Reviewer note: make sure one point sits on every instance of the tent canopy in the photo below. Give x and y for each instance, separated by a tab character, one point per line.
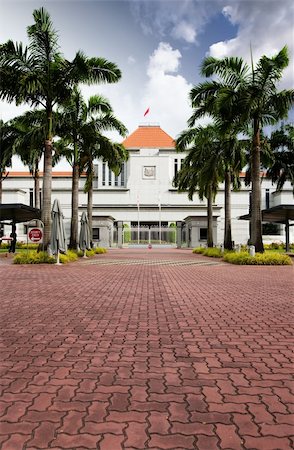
277	214
17	212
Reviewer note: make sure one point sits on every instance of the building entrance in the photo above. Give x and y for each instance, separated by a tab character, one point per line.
149	233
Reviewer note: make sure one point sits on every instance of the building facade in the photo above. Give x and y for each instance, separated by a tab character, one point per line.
143	199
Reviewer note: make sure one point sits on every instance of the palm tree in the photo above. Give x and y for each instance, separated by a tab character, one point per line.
114	154
282	144
40	76
227	159
6	140
28	143
245	96
232	157
80	125
199	170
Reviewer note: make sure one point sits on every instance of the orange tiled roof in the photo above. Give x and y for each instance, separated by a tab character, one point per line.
28	174
146	136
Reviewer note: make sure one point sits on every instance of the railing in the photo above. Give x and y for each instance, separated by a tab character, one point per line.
149	235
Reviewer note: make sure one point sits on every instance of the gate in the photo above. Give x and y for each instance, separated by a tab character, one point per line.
149	235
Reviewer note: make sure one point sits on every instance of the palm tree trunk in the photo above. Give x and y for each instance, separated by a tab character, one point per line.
256	225
37	184
228	220
73	242
90	212
209	221
1	179
47	189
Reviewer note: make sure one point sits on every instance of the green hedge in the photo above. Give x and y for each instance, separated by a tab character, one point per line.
22	245
69	256
243	258
33	257
213	252
99	250
92	252
198	250
28	245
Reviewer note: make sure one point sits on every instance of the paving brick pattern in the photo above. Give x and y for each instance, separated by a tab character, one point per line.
146	356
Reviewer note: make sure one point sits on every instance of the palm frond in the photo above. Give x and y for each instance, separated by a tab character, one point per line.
224	68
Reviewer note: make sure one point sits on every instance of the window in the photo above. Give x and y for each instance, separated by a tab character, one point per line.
103	174
110	179
175	167
96	234
203	234
31	197
267	198
270	229
95	177
122	175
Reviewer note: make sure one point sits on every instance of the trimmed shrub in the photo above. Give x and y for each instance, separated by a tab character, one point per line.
29	245
33	257
127	233
198	250
4	245
213	252
92	252
274	246
63	258
99	250
22	245
69	256
172	235
243	258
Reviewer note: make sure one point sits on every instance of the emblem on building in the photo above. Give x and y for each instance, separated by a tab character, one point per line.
149	172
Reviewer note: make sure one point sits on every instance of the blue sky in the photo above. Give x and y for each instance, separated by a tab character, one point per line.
158	45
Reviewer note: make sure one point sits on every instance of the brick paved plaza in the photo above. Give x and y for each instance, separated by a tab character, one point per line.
145	349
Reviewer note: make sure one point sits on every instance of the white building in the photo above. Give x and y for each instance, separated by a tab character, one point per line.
143	196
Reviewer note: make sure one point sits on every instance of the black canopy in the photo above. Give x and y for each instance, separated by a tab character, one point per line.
278	214
17	212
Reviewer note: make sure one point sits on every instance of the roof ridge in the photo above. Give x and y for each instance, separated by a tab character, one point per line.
149	136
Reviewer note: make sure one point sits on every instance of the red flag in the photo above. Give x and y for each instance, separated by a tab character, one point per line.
146	112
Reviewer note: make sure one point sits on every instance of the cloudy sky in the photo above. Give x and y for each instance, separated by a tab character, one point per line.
158	45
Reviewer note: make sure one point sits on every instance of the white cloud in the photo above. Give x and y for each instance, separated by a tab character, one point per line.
163	60
180	19
267	26
164	91
167	92
131	60
184	30
10	110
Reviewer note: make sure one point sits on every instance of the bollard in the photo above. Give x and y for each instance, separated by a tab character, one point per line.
252	250
221	248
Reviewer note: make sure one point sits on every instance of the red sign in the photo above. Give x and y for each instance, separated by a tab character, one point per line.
35	235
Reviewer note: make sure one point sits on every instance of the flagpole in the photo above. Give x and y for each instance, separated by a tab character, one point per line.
138	206
159	211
